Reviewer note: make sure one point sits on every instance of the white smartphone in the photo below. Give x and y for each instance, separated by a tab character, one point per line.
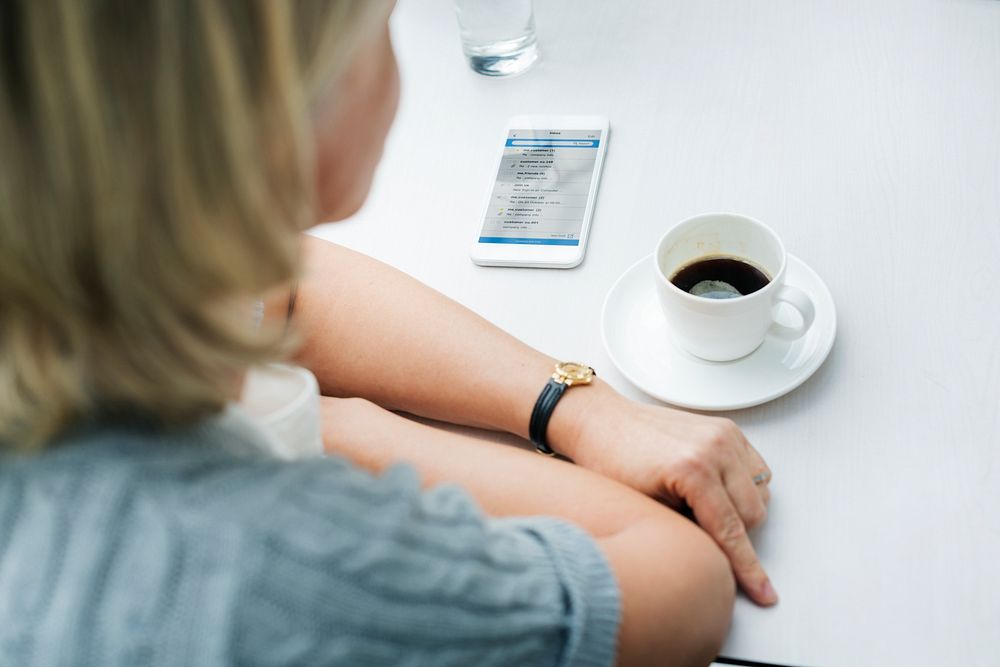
539	208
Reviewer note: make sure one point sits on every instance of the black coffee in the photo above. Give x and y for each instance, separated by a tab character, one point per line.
720	278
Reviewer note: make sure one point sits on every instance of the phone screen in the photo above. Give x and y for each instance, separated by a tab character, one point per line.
540	195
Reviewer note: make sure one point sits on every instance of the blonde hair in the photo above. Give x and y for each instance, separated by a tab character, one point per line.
155	172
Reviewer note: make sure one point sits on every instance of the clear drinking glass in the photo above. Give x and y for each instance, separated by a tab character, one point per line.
498	36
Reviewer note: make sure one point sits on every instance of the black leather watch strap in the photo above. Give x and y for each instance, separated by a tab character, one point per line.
542	413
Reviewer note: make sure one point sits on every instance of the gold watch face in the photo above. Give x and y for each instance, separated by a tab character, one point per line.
574	373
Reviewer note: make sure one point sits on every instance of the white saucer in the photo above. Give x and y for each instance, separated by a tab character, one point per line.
638	341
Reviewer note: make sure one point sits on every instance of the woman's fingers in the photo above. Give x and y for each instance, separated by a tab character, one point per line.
746	497
745	477
765	493
755	469
716	513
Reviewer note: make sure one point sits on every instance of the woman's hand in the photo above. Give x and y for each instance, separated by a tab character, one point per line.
681	459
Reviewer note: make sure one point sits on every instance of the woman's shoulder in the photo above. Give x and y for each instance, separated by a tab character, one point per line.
221	469
150	537
218	480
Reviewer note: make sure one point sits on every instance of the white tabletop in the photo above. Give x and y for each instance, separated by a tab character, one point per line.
867	133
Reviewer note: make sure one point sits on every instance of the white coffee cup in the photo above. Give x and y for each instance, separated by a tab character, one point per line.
727	329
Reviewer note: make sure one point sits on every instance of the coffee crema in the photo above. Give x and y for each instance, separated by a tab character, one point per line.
720	277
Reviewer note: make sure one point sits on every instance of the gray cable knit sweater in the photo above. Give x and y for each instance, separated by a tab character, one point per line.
127	546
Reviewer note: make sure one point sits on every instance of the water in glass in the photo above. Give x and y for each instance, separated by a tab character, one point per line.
498	36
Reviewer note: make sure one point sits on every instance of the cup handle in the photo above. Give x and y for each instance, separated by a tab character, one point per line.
801	302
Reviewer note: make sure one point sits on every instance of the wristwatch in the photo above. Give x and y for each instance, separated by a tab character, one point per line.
568	374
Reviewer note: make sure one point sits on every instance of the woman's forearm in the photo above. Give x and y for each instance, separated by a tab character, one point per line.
433	356
504	480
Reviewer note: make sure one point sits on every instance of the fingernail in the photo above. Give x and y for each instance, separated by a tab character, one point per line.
767	593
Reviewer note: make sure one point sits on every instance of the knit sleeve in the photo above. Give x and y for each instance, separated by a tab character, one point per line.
351	569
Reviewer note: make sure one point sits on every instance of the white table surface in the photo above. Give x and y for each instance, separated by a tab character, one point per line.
867	133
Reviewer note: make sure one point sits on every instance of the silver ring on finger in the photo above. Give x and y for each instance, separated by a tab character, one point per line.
762	478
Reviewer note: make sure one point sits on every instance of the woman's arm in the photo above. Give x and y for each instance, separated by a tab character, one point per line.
371	331
676	586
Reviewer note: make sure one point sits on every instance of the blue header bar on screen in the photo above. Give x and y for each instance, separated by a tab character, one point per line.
520	241
556	143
